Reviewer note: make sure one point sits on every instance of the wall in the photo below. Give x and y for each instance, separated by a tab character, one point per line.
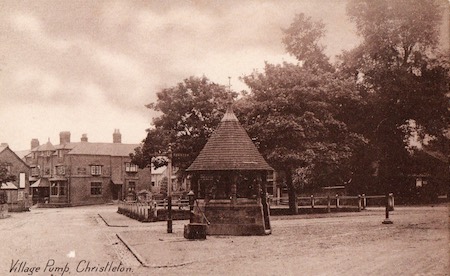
81	179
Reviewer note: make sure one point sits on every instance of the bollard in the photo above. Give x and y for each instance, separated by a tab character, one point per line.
364	202
312	201
387	220
337	201
328	204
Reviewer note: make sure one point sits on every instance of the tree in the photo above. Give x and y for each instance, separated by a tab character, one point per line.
291	115
5	176
402	78
301	40
190	112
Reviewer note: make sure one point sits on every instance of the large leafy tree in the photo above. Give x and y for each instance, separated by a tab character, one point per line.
189	113
291	113
402	76
302	40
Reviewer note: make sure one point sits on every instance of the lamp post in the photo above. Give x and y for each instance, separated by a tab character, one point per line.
169	191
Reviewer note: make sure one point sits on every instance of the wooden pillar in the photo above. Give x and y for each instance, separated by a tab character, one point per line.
258	188
208	190
275	188
233	196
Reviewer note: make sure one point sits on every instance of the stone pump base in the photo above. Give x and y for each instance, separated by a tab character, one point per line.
195	231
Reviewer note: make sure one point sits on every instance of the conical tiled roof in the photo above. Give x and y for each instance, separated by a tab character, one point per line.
229	148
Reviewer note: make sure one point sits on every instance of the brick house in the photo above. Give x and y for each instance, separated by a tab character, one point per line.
16	192
83	173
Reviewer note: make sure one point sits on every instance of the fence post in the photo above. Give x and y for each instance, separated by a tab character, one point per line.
364	201
359	203
387	220
391	202
312	201
337	201
328	204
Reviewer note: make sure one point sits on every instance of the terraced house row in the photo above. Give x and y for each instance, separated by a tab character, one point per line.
82	173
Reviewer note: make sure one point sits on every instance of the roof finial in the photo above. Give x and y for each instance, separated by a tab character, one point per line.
229	114
230	97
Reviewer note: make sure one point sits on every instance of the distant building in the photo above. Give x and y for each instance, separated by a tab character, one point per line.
82	173
160	177
17	192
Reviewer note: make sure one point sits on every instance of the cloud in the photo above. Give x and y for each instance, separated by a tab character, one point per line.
91	66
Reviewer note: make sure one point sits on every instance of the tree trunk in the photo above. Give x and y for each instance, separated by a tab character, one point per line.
293	207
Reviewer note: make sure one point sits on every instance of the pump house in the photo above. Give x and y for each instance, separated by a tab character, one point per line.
229	182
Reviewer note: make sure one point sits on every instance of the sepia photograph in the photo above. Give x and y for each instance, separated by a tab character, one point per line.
234	137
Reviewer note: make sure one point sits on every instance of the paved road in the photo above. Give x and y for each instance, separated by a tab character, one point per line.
76	241
67	241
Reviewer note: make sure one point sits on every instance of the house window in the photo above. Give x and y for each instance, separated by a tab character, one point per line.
96	169
54	189
60	170
8	168
58	188
96	188
62	188
35	171
81	170
47	171
131	187
60	153
130	167
22	180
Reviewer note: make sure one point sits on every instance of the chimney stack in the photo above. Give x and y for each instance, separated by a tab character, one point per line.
64	137
117	137
84	137
34	143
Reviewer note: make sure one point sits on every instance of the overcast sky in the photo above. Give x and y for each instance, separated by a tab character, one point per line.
91	66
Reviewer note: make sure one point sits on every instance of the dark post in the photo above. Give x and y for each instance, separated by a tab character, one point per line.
387	220
191	206
169	192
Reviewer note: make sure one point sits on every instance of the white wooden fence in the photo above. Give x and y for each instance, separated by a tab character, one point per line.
148	211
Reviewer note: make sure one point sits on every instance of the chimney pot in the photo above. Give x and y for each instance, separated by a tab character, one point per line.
64	137
34	143
84	137
117	137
